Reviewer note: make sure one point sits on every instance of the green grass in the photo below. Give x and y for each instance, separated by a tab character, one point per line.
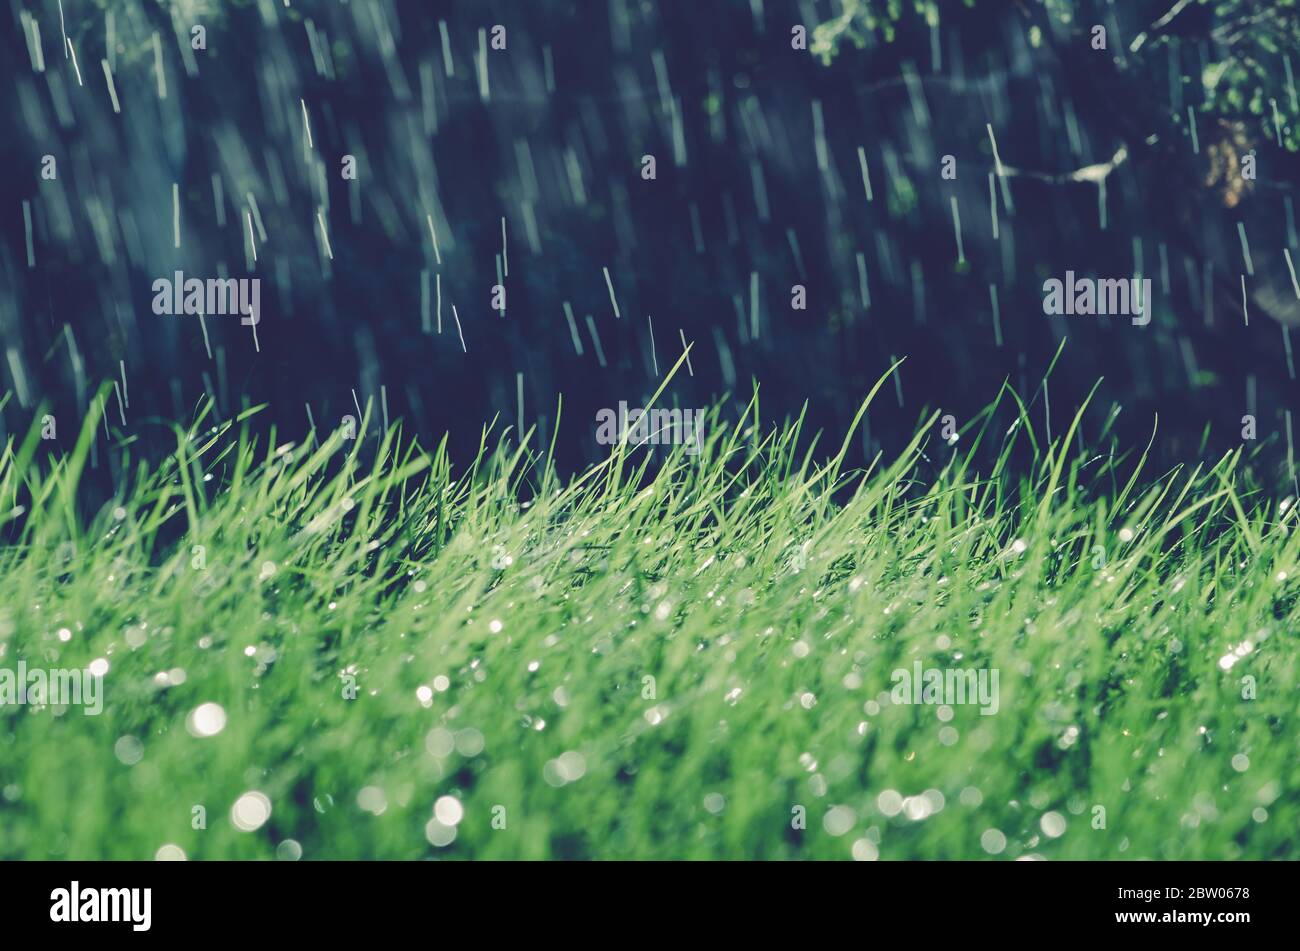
768	591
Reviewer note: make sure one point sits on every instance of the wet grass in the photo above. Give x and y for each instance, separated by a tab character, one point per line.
690	657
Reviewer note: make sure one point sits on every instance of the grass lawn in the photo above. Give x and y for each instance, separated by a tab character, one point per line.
408	658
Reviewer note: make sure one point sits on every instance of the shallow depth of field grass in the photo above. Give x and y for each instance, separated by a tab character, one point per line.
501	626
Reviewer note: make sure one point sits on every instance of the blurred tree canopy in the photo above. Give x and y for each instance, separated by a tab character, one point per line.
1245	47
1169	153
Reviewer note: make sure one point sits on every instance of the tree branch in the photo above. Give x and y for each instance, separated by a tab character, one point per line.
1096	173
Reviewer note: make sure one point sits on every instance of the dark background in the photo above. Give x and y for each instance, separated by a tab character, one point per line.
563	165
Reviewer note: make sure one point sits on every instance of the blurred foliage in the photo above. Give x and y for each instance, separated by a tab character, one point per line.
862	21
1251	78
